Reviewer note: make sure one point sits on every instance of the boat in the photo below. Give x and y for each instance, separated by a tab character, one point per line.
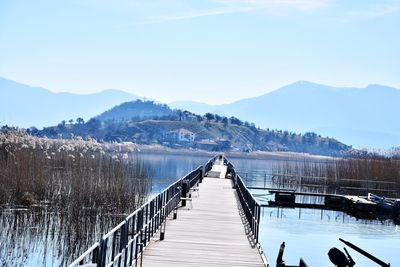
382	202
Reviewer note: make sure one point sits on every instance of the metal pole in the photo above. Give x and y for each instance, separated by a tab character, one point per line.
162	231
201	175
364	253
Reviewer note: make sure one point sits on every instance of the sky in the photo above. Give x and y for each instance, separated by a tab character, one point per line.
213	51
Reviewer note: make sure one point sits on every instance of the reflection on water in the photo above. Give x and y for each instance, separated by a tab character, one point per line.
40	237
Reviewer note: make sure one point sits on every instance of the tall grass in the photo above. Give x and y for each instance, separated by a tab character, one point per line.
68	174
346	175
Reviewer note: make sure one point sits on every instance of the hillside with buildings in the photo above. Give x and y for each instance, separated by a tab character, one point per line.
143	122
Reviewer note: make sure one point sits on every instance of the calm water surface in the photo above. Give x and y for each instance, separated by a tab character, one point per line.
31	238
311	233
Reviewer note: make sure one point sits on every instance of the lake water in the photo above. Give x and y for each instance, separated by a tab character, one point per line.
310	233
37	238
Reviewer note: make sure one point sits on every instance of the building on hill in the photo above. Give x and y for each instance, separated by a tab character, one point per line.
182	135
186	135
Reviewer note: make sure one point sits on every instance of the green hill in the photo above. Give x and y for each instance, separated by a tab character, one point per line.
151	123
136	110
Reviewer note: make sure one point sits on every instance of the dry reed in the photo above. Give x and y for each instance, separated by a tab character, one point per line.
68	174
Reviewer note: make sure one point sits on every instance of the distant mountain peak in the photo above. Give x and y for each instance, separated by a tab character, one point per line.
303	84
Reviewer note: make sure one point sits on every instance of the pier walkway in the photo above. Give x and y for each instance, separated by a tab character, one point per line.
210	233
206	218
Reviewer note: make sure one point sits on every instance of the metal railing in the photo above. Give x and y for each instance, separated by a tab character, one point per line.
250	206
209	164
123	245
194	177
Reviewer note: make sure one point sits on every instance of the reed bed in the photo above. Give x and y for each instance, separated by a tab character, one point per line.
346	176
68	174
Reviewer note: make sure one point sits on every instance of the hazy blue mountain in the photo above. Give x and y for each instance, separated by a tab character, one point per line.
363	117
25	106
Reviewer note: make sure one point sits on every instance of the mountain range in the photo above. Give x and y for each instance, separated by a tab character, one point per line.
26	106
362	117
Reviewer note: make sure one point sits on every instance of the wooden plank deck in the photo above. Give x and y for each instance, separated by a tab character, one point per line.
218	170
213	233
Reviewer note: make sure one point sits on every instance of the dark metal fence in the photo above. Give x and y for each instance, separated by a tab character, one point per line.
194	177
123	245
209	164
250	206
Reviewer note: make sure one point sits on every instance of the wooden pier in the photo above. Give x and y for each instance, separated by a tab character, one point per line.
210	221
210	232
196	221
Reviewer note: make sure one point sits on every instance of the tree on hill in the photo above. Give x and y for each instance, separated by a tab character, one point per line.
209	116
225	121
80	120
235	120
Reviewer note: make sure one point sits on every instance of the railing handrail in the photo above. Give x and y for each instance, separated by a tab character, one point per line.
85	254
113	230
164	190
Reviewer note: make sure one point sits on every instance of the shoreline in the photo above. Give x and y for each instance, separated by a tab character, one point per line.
256	155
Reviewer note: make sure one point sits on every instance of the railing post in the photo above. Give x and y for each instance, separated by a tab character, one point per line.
201	174
234	179
258	221
141	245
123	240
96	256
185	189
162	231
103	252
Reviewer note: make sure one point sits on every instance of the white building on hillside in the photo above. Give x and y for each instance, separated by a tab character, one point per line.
181	135
186	135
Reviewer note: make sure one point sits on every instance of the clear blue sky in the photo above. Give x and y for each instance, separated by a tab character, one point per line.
175	49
